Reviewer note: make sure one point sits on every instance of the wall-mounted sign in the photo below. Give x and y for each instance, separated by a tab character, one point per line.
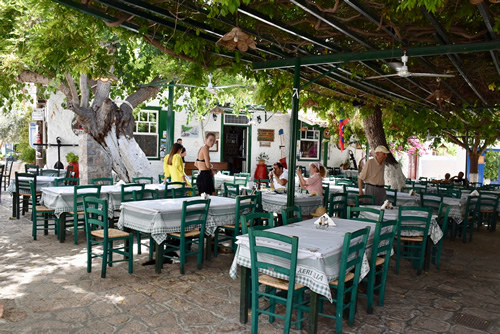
76	126
38	114
265	134
33	131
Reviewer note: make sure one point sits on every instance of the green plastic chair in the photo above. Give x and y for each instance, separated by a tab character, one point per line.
337	205
379	261
67	182
99	233
27	167
442	219
102	181
414	246
231	190
355	212
169	186
43	214
143	179
23	190
257	221
291	215
470	217
193	221
244	205
79	193
353	250
431	201
364	200
262	255
392	196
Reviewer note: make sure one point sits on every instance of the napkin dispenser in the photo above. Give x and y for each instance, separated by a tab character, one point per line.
387	205
205	196
324	221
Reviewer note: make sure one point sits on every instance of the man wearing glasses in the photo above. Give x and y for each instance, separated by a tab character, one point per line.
278	176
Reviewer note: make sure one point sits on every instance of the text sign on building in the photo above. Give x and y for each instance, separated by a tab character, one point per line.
265	135
33	130
38	114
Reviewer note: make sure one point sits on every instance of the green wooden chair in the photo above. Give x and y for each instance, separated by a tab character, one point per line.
257	221
346	182
231	190
431	200
161	178
69	171
169	186
364	200
355	212
34	169
104	181
129	192
262	181
183	192
420	188
67	182
262	255
247	175
225	172
392	196
244	205
2	170
143	179
291	215
326	193
412	247
379	261
49	172
337	205
193	221
353	250
79	193
487	210
99	233
444	211
470	217
240	180
7	173
146	194
23	190
41	215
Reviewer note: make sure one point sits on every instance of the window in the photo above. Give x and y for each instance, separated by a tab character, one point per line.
146	131
309	140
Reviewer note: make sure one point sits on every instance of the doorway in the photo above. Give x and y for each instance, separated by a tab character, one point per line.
234	148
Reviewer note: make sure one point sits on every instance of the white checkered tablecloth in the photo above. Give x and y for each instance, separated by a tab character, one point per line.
41	182
163	216
274	202
435	232
319	256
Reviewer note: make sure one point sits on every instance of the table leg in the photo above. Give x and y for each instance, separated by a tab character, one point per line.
15	209
158	257
62	227
313	312
428	254
208	247
244	295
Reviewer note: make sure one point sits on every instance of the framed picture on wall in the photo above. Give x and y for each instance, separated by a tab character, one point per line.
214	148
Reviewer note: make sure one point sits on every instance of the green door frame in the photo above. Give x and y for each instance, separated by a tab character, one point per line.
249	141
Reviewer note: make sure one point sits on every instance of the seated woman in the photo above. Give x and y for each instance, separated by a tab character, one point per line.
446	178
173	166
314	184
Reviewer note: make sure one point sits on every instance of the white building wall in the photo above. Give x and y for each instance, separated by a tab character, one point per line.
435	167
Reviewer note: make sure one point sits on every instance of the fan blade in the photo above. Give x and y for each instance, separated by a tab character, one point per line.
395	65
382	76
182	85
432	75
229	86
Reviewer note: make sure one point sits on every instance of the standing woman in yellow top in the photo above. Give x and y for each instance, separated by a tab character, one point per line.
173	165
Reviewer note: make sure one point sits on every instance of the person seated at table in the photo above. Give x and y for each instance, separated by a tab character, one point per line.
278	177
205	179
459	179
446	178
313	184
173	166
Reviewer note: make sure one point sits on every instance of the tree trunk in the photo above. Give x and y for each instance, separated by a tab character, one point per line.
375	134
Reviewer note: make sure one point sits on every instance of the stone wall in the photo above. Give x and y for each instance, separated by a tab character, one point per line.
94	162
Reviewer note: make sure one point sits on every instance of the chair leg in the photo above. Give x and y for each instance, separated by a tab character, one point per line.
369	291
398	253
45	223
183	255
34	227
201	244
110	252
89	255
105	251
339	308
138	237
216	242
131	254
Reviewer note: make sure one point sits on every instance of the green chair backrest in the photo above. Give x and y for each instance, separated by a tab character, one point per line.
354	213
292	214
96	215
364	200
143	179
145	194
256	221
225	172
69	171
471	207
347	182
488	202
244	205
182	192
80	192
420	188
27	167
392	196
338	205
242	174
102	181
127	192
241	180
431	200
67	182
353	250
326	193
49	172
170	186
414	218
231	190
194	215
23	182
161	177
382	240
444	211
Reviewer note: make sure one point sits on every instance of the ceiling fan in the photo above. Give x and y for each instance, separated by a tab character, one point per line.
213	89
402	71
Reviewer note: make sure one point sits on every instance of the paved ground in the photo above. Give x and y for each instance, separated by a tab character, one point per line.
44	288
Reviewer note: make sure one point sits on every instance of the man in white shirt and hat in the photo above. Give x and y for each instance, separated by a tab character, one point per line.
278	176
373	176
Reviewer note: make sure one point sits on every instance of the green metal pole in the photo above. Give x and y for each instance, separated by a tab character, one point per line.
170	117
294	121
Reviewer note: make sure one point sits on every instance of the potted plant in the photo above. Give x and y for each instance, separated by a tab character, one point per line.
72	159
346	164
262	158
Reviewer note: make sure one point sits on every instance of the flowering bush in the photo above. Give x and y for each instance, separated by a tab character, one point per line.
414	147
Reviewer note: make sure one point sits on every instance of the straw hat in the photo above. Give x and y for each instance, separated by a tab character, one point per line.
320	211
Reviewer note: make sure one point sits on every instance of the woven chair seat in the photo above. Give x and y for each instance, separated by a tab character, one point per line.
487	211
189	234
29	195
78	213
229	226
43	208
112	233
419	239
379	261
277	283
348	277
